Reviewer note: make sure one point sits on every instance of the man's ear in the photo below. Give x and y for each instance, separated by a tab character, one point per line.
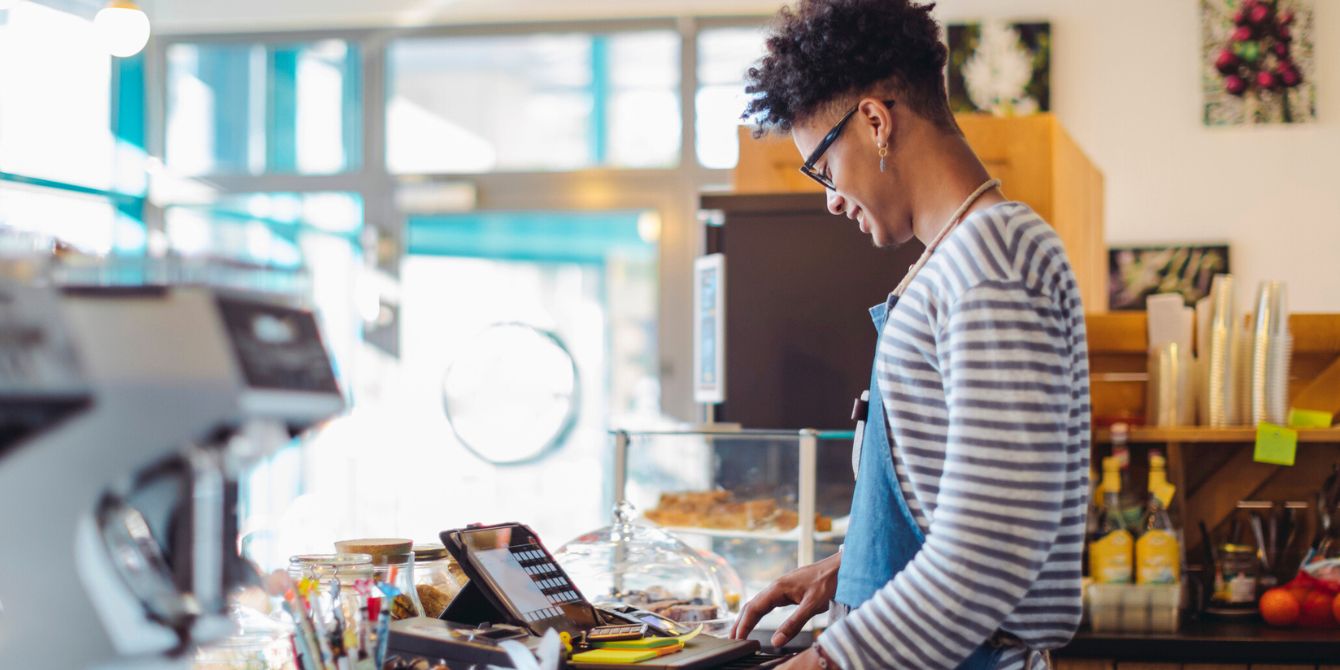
879	121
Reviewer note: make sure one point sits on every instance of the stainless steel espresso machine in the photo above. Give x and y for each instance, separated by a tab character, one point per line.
127	416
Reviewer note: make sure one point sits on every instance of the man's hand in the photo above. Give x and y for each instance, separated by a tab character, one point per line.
811	588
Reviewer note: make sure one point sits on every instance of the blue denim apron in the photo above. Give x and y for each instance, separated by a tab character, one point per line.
883	535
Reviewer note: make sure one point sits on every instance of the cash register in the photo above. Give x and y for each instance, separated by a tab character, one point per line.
518	592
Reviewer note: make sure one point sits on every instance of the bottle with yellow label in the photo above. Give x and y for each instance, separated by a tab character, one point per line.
1158	555
1111	547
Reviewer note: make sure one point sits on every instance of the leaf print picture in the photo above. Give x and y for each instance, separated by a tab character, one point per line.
1000	68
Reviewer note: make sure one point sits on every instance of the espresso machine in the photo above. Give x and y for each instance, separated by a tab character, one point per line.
127	417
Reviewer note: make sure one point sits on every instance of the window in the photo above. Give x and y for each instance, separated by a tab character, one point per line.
587	277
263	229
55	118
91	224
257	109
543	102
65	174
724	56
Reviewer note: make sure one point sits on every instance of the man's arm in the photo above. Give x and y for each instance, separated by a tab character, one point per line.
999	507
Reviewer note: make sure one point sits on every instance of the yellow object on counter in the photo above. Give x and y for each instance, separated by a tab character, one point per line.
624	656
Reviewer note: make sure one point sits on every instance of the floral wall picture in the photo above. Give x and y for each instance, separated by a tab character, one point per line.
1139	272
1000	68
1257	62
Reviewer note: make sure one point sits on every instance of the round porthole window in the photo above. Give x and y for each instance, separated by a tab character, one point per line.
512	394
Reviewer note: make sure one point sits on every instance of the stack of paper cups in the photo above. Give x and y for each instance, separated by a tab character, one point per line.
1171	394
1271	351
1219	398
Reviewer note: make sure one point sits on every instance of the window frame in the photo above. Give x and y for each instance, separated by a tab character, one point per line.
672	192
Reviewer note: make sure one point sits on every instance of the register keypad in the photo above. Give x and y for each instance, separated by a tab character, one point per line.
548	577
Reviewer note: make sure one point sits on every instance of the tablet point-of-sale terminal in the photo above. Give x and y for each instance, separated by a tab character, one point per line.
516	587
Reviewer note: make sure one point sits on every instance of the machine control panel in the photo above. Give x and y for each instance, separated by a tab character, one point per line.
41	378
278	348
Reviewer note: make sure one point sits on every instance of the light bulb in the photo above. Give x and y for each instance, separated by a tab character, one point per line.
123	26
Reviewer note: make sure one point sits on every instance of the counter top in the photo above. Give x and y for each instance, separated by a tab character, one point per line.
1210	642
1198	642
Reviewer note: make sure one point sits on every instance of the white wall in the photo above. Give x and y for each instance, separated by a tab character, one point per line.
1125	81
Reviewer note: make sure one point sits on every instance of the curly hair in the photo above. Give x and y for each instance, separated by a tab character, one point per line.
824	51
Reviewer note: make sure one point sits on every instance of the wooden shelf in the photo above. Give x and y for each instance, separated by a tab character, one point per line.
1202	435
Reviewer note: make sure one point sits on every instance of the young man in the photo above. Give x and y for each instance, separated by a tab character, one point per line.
967	522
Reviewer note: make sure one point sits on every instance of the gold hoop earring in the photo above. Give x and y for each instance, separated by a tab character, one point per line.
883	153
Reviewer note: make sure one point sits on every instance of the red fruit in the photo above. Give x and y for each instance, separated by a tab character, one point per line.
1279	607
1267	80
1258	13
1241	34
1317	611
1235	85
1298	591
1239	18
1281	50
1284	34
1290	77
1286	17
1226	62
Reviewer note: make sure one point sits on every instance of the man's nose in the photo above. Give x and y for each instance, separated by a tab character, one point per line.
836	204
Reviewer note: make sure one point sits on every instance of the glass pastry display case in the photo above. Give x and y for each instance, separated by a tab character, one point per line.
764	501
633	565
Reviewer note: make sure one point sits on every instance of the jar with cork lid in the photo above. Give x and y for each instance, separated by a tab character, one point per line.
392	564
437	578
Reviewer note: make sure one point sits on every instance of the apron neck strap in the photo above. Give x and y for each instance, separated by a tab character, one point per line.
953	222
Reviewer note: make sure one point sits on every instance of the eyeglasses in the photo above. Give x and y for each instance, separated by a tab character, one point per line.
808	168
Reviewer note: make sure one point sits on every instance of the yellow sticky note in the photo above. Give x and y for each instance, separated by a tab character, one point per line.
614	656
1275	444
1309	418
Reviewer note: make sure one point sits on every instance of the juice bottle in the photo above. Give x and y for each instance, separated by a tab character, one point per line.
1132	506
1158	557
1111	547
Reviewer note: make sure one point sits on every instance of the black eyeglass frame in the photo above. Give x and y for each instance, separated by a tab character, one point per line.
807	168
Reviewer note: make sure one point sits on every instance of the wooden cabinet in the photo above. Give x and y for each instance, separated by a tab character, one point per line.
1034	157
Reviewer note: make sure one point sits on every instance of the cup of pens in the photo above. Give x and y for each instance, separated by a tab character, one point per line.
334	602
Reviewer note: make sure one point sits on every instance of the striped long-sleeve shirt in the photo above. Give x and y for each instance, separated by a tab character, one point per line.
983	369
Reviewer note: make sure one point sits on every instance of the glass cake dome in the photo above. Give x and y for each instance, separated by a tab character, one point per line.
629	563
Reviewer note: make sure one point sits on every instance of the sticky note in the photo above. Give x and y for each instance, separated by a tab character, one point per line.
1275	444
1309	418
614	656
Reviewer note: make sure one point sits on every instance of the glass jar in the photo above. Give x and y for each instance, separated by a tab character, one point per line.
1236	577
256	643
437	578
344	581
392	564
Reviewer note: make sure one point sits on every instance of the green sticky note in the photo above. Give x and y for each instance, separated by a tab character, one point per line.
1309	418
1276	445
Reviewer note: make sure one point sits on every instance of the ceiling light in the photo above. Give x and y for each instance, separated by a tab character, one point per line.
123	26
